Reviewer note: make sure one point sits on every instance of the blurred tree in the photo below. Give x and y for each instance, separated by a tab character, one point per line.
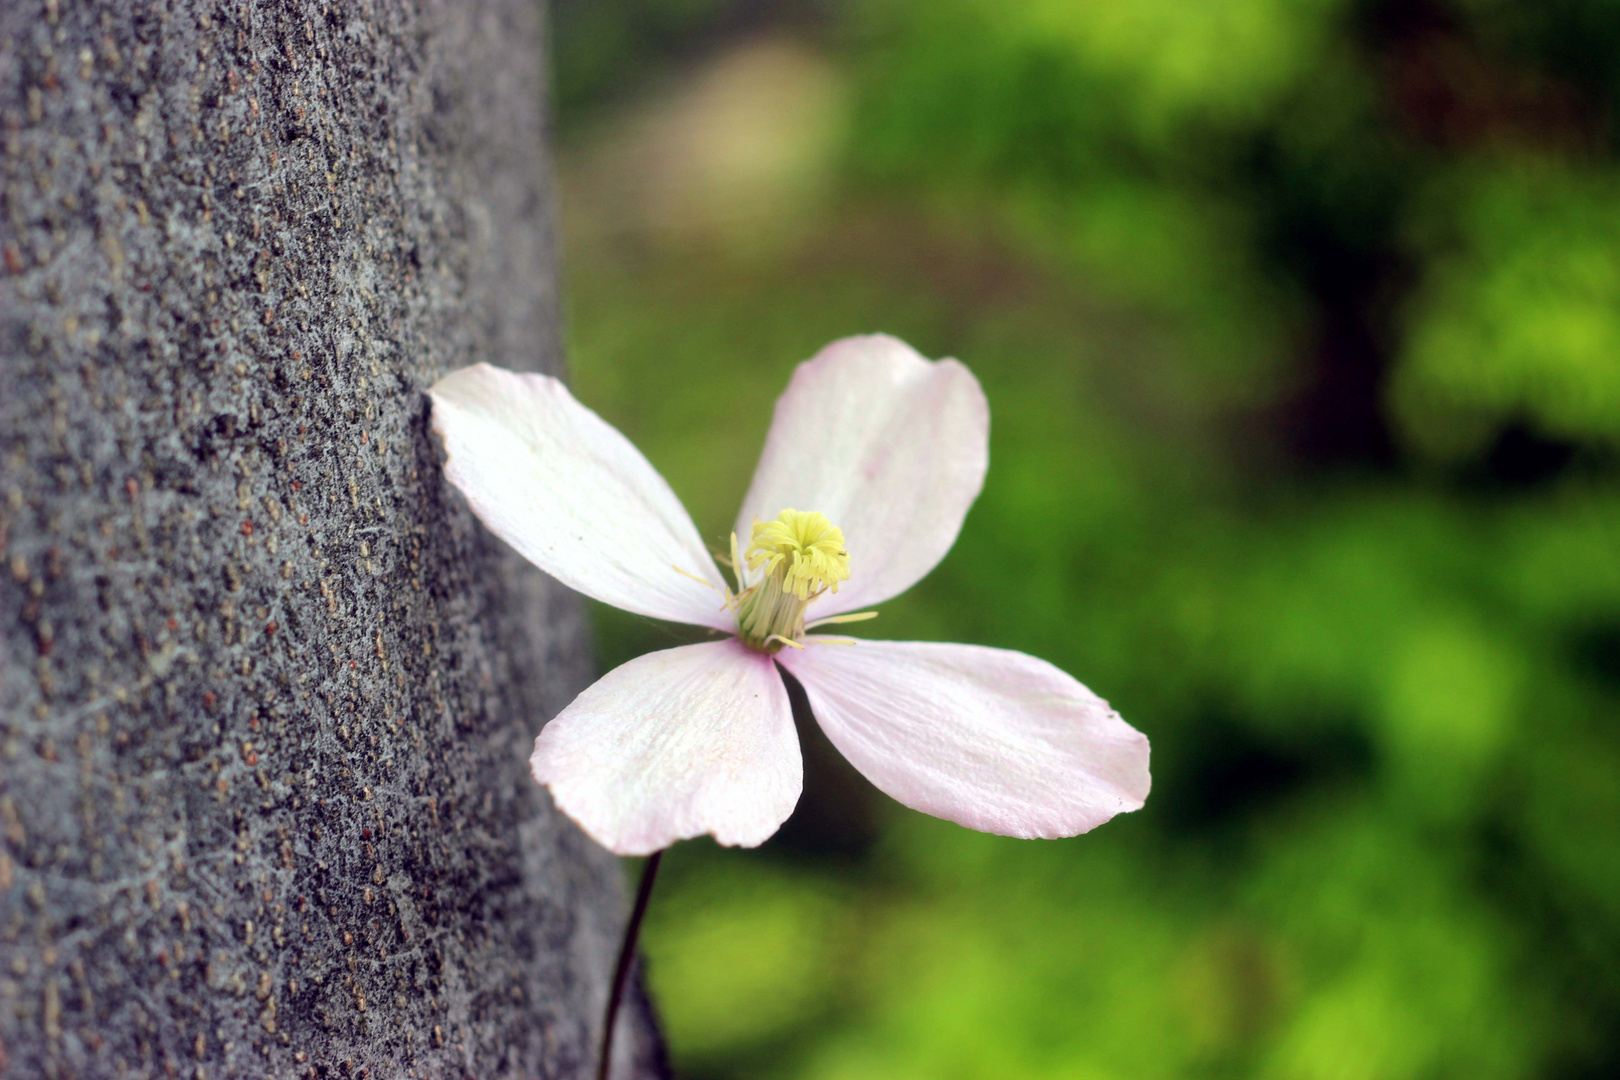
1298	321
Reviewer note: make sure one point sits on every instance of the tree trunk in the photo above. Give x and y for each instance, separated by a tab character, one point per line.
267	689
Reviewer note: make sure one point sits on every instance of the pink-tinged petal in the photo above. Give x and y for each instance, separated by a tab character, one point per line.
991	739
890	446
573	496
676	744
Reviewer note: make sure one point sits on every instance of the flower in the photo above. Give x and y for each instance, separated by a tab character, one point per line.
873	457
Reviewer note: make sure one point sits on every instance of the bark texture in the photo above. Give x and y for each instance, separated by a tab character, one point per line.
267	689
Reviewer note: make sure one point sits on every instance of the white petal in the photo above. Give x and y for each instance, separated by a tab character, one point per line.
991	739
573	496
890	446
675	744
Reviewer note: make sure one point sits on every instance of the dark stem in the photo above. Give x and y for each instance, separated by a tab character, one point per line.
627	958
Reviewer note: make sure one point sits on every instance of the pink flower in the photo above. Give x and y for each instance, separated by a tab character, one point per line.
870	444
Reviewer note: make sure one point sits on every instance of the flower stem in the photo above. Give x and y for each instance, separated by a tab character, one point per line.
627	957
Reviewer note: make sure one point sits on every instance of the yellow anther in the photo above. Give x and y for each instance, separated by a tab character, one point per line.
802	550
796	557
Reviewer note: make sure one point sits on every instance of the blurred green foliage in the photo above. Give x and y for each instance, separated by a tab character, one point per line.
1300	325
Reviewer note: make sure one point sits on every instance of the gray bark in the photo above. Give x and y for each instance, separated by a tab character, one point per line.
267	690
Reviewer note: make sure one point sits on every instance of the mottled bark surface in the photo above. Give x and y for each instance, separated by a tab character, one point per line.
267	689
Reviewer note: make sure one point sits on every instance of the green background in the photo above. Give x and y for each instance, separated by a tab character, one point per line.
1300	326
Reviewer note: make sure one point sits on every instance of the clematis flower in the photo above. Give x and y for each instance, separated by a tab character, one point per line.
873	457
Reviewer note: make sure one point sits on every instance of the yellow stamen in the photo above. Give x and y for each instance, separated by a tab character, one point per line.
803	548
832	620
694	577
799	556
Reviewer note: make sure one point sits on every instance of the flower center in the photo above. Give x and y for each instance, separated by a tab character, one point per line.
802	549
800	555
